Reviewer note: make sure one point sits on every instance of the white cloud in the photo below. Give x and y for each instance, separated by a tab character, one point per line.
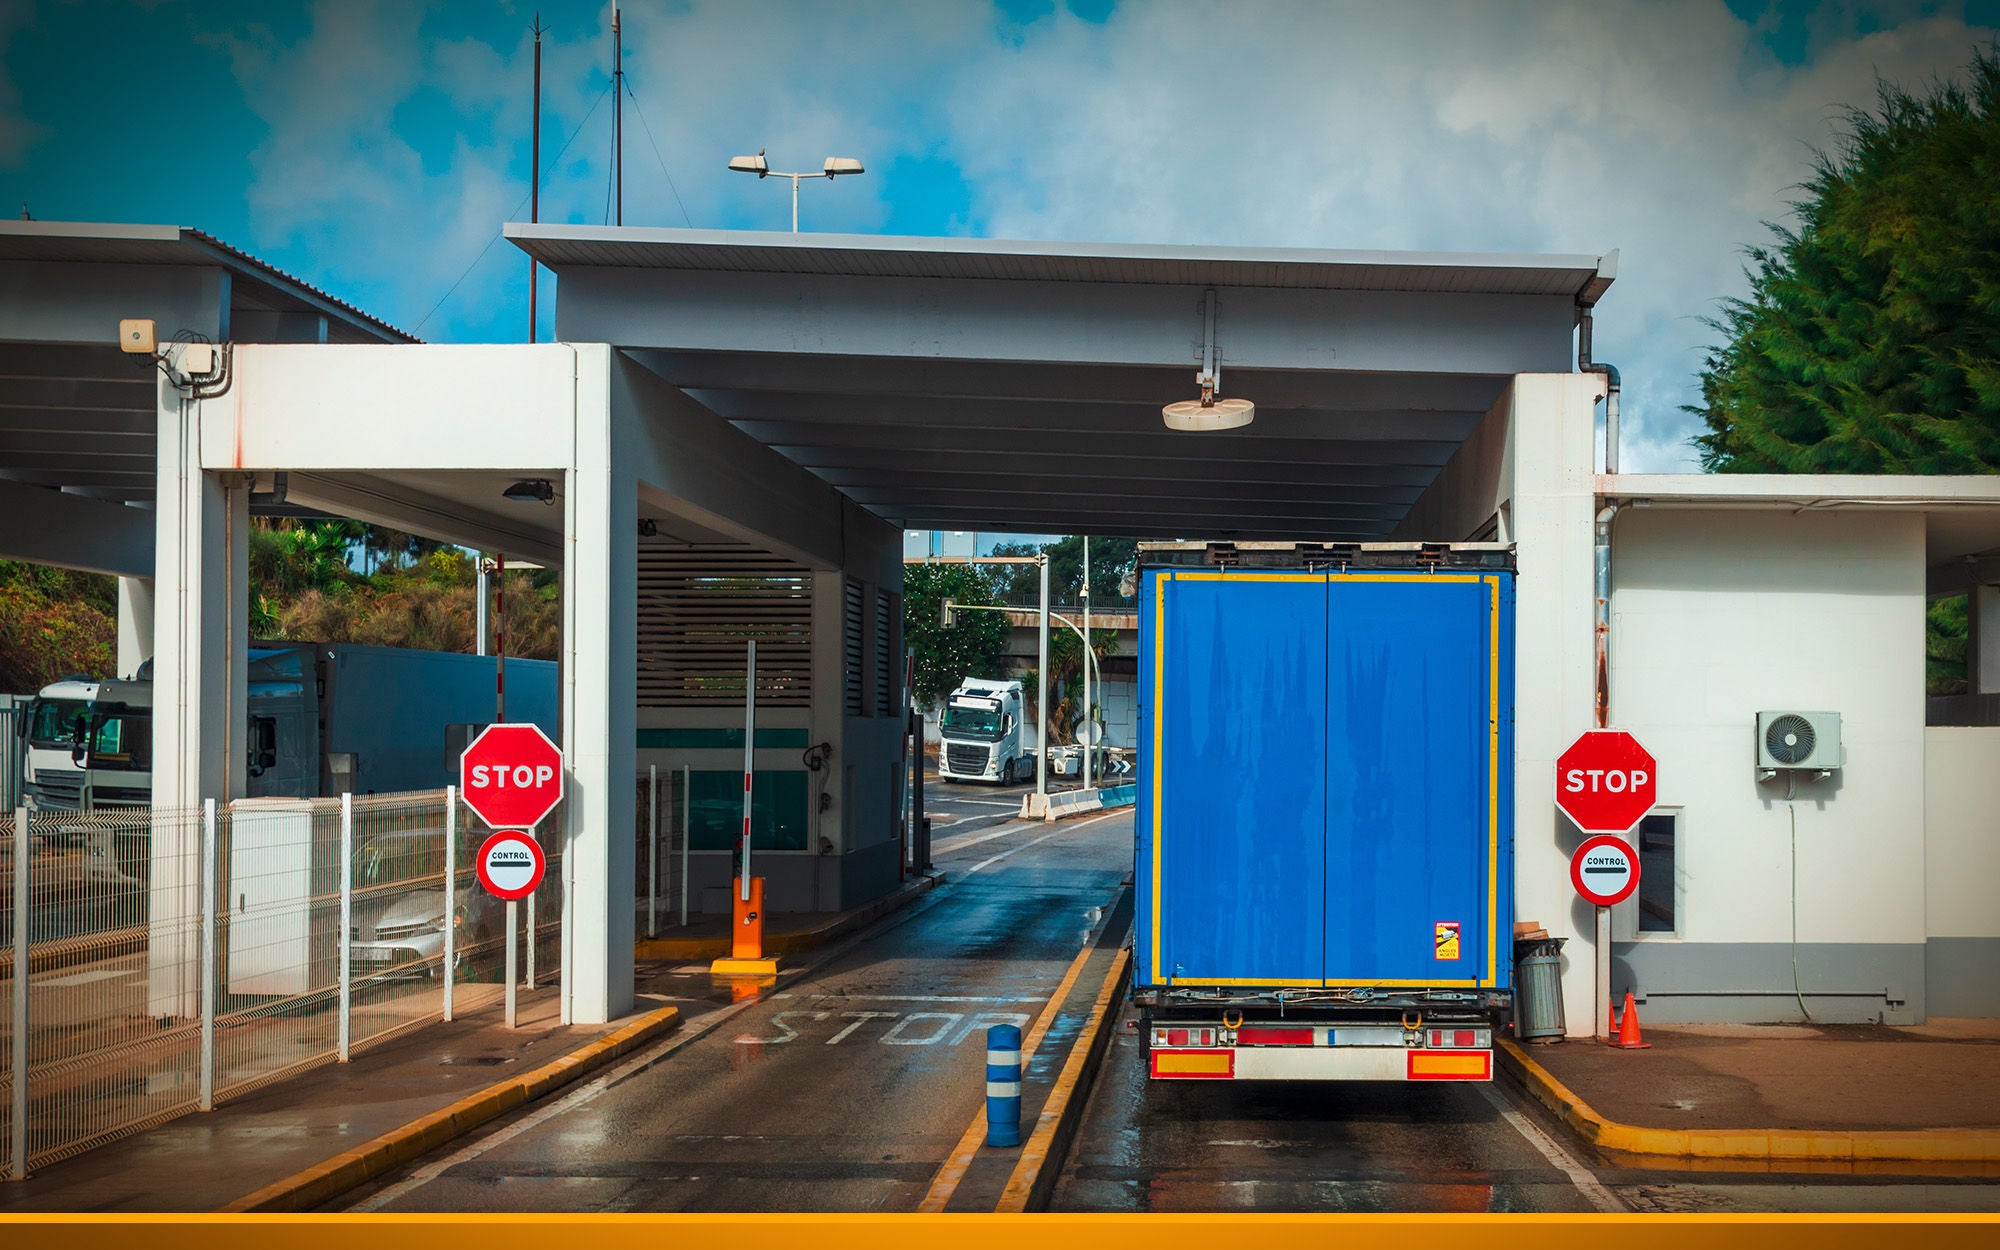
1660	129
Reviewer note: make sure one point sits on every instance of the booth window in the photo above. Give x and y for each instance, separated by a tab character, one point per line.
1657	836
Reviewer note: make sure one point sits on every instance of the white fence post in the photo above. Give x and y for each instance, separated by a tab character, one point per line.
346	919
210	850
652	849
450	894
18	1148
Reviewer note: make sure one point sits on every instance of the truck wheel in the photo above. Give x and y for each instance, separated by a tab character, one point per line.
1007	774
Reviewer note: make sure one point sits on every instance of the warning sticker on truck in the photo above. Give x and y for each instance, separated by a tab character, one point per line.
1447	939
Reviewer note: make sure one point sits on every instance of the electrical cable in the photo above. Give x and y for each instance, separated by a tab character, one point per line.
516	213
654	144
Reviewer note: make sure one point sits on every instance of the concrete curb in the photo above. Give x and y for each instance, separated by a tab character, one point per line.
1034	1177
691	949
1952	1145
326	1181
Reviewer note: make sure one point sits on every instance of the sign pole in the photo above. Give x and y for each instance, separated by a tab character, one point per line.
1603	974
749	763
513	913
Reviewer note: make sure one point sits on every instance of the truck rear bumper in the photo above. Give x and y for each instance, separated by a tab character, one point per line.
1320	1063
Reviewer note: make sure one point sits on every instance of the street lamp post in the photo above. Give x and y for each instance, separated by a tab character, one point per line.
834	167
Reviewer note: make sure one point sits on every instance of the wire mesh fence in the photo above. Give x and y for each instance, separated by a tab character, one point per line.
154	962
660	830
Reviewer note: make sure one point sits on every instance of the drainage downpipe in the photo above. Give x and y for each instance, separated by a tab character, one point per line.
1604	518
1611	388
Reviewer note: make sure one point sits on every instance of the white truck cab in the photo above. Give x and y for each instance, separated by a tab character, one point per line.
980	735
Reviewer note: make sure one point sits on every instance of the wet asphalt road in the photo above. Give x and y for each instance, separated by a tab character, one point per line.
843	1088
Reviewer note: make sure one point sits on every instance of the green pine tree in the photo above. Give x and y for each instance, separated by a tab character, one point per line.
1870	340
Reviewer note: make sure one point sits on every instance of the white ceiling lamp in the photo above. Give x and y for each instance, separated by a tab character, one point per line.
1211	412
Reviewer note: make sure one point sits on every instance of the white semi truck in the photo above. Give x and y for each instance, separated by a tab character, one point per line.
980	737
322	719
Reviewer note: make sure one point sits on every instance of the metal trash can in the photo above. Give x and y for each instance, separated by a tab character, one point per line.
1538	1000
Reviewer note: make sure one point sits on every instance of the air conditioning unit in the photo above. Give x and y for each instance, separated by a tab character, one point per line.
1799	740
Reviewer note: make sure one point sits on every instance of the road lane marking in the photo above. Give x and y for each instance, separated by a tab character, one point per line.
945	1183
1041	1143
1588	1185
951	844
860	1018
1016	850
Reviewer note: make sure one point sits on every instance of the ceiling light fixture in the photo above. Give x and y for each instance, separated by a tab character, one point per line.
1211	412
531	490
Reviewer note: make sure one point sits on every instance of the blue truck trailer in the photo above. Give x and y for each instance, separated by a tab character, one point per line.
1324	819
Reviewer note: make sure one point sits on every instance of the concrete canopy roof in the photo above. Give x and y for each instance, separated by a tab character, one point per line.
998	385
78	414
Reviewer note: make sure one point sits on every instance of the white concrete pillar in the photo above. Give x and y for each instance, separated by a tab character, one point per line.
1984	645
135	623
200	624
600	722
1552	510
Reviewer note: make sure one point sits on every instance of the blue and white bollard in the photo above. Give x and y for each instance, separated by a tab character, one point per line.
1003	1085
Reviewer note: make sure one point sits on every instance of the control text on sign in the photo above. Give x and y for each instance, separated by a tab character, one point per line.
1604	871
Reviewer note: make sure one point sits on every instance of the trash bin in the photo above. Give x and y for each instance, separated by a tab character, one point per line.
1538	1001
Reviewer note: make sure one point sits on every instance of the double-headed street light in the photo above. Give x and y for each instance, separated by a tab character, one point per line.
835	167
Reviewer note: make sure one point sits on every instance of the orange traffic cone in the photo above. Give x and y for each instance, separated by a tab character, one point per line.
1627	1037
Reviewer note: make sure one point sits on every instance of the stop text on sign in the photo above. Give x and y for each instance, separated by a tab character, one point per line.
1605	780
512	775
521	776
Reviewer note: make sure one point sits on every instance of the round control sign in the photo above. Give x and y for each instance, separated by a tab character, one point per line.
1604	870
510	865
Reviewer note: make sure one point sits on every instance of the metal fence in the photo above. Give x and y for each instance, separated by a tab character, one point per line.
661	854
156	962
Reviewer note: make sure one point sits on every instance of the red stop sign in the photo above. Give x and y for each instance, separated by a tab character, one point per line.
511	776
1606	781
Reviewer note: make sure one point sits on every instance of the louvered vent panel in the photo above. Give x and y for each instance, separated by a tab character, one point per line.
850	647
697	608
885	667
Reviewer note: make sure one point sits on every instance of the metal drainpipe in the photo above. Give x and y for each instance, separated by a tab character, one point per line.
1611	387
1603	631
1605	514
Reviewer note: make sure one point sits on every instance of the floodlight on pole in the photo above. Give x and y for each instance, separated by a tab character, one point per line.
833	167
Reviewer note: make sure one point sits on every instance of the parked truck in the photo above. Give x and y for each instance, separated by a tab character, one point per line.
1324	816
321	719
980	734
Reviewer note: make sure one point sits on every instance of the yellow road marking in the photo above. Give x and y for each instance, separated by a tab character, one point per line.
1020	1186
945	1183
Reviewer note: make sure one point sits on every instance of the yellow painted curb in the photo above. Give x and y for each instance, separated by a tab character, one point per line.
1033	1176
324	1181
1943	1145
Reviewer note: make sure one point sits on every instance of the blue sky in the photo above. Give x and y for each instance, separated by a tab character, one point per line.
375	148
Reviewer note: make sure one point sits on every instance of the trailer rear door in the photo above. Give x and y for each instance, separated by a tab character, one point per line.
1326	782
